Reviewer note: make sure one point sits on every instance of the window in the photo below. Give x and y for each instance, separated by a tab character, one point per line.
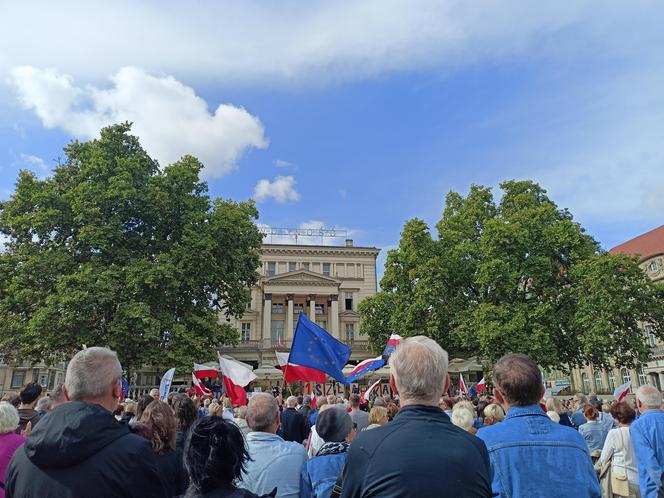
245	331
43	378
305	266
18	377
642	377
350	332
349	301
292	266
654	266
624	373
586	382
298	308
327	269
320	309
277	307
650	337
598	380
277	332
612	380
271	268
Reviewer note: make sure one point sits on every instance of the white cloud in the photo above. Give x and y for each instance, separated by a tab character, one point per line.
168	116
280	163
282	189
35	161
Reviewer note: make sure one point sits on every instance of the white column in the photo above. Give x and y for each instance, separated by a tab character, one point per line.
289	318
661	380
312	307
334	306
267	319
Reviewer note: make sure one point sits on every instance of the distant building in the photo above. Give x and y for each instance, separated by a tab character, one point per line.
649	247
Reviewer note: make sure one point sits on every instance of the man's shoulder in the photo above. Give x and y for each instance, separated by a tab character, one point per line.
517	430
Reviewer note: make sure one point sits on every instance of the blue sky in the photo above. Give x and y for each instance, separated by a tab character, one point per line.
355	115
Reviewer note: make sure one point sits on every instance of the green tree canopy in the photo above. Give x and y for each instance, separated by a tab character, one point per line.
514	275
112	250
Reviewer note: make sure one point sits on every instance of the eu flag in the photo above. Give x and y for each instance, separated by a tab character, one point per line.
313	347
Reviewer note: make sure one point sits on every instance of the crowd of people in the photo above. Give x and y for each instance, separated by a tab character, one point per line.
81	442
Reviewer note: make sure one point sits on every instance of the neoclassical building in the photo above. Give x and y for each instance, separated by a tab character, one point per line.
325	282
649	247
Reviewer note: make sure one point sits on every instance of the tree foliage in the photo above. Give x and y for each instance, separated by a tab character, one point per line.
113	251
514	275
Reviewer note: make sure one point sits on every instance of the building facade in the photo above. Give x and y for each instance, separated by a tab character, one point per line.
327	283
649	247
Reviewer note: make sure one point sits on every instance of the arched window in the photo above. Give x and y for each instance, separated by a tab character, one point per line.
586	382
643	380
598	381
612	380
624	373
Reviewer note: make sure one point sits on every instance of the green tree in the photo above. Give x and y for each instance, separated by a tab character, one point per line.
113	251
517	275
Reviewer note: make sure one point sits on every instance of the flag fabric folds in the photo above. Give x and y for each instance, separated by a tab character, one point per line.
392	343
315	348
370	390
622	391
235	376
481	385
202	371
462	385
165	384
293	373
200	389
364	367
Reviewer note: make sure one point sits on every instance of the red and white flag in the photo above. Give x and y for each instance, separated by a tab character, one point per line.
371	388
293	372
622	391
235	375
462	385
200	389
202	371
481	385
313	396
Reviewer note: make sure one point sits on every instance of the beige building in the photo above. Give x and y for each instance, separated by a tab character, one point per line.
649	247
14	376
327	283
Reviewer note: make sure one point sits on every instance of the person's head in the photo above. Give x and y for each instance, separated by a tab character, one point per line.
464	403
606	407
306	401
169	398
590	412
648	398
623	413
215	455
321	401
215	410
580	400
58	397
355	401
335	425
226	403
419	371
154	392
241	412
93	376
8	417
142	404
378	415
263	413
444	403
291	402
159	417
493	414
130	407
380	402
553	416
30	394
392	410
300	400
481	405
553	405
517	381
596	403
43	405
185	411
12	398
463	418
331	399
206	402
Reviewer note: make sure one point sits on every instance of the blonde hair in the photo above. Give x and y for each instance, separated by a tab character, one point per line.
554	416
465	404
376	414
462	418
494	411
8	418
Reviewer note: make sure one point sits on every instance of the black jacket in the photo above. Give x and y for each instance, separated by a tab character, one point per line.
80	450
293	426
419	454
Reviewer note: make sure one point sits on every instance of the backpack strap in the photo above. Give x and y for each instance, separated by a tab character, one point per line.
336	490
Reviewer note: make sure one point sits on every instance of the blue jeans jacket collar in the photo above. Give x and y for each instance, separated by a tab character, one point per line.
520	411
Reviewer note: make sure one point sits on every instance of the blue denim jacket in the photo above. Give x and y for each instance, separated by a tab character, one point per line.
274	463
531	456
648	439
594	432
320	474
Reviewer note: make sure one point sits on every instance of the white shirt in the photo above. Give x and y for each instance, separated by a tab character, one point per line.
315	443
619	445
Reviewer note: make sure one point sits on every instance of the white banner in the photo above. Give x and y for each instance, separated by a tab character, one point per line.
165	384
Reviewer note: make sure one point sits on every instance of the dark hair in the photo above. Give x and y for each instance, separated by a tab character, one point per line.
481	405
590	412
142	404
185	411
214	454
30	393
159	417
519	379
623	413
169	398
354	400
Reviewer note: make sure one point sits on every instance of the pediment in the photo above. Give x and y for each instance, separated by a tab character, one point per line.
349	314
301	277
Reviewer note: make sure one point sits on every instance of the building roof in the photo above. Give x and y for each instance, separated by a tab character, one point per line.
645	246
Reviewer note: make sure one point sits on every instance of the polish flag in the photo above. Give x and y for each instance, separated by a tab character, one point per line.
462	385
293	372
201	390
201	371
371	388
481	385
313	397
622	391
392	343
236	375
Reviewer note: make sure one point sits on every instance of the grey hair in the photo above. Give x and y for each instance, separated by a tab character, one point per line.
8	418
419	367
91	373
649	396
44	404
581	398
262	412
291	401
463	418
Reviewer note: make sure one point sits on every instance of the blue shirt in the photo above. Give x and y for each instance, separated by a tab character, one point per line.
577	418
648	439
531	456
274	463
595	434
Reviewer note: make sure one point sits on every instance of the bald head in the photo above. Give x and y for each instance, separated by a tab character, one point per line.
263	413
